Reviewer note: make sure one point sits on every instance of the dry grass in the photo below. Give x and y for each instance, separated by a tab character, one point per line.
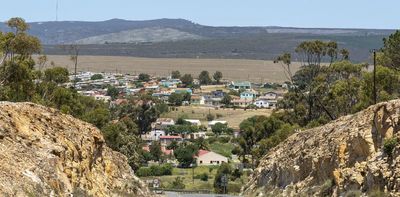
233	117
232	69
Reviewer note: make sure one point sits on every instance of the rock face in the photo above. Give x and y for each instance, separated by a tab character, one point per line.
342	157
46	153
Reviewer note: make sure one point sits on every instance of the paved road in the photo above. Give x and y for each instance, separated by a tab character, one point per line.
174	194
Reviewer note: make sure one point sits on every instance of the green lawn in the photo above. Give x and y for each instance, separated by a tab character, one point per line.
224	149
197	184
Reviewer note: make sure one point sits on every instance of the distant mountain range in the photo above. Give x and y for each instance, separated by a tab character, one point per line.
183	38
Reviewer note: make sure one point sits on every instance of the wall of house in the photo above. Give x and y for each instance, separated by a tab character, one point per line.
211	158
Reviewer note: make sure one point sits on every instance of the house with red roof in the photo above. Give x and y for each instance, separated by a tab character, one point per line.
206	158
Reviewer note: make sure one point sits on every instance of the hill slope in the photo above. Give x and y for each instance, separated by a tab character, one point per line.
46	153
140	35
335	159
171	38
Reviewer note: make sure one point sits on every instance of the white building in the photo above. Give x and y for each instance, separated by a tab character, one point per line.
193	122
212	123
193	136
102	98
163	123
261	103
206	158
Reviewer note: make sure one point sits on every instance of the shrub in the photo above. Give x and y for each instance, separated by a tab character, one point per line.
143	171
165	169
202	176
210	117
177	183
224	139
389	145
326	188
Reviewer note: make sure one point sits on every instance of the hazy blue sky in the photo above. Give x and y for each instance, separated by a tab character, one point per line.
298	13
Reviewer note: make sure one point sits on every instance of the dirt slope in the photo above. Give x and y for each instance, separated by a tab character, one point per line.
343	157
46	153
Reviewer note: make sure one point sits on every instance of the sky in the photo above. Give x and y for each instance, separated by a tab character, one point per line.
382	14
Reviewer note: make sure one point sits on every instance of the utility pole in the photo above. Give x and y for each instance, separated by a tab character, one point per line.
375	99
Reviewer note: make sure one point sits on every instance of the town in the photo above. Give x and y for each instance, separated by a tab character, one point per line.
217	135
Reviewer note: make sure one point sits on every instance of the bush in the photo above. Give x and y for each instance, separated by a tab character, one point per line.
224	139
177	183
211	140
389	145
327	188
165	169
210	117
143	171
202	176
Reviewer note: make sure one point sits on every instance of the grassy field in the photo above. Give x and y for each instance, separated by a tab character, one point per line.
232	69
233	117
224	149
197	184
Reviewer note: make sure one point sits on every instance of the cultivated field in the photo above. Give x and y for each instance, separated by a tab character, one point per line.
232	69
233	117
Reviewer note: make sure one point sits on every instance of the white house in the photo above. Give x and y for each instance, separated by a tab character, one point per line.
205	158
212	123
261	103
156	134
193	122
163	123
193	136
104	98
265	103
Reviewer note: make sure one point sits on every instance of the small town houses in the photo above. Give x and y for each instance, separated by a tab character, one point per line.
128	85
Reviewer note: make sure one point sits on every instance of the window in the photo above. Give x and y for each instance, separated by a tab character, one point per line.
217	162
201	162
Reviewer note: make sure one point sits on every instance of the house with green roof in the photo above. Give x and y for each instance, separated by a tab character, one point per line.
238	85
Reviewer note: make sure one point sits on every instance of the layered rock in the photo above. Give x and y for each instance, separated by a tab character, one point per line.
344	156
46	153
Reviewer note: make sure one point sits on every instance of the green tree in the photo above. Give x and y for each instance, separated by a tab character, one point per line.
185	154
223	172
173	145
98	117
96	76
175	74
204	78
391	50
144	77
187	80
18	24
176	99
219	128
57	75
226	100
155	150
217	76
201	144
113	92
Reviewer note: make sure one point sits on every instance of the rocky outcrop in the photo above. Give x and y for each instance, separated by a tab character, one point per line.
342	157
46	153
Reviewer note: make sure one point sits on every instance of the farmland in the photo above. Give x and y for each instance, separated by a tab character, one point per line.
233	69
